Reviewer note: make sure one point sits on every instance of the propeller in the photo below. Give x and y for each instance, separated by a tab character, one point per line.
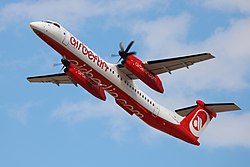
65	63
123	53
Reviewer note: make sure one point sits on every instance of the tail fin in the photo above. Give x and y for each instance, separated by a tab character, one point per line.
199	116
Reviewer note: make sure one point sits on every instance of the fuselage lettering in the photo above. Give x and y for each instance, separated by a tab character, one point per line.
87	52
83	71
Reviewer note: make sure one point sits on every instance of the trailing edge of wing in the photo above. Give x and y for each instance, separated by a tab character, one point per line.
169	65
57	79
217	107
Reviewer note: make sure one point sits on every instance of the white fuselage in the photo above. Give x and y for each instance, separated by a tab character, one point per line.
109	71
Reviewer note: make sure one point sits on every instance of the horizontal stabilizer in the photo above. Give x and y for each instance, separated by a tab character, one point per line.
217	107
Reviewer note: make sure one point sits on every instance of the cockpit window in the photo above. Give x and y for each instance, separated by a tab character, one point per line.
50	22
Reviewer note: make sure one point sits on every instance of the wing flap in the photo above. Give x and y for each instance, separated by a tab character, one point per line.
57	79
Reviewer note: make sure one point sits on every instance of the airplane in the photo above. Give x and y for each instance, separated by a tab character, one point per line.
85	68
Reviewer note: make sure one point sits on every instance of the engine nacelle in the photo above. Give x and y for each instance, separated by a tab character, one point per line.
80	78
136	66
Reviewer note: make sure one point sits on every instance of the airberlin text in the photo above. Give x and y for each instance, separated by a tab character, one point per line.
87	52
84	71
150	75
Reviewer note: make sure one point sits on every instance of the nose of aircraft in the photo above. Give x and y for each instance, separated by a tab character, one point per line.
33	25
37	26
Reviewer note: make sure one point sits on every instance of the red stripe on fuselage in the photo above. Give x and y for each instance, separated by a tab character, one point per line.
129	104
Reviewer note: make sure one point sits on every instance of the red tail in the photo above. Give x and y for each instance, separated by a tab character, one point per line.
199	116
198	119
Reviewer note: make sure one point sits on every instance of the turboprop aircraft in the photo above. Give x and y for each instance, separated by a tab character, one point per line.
85	68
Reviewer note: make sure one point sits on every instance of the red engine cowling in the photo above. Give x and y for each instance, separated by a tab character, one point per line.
136	66
80	78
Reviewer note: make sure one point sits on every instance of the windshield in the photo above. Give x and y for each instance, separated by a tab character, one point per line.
51	22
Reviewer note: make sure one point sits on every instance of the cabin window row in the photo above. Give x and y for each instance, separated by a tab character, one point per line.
131	87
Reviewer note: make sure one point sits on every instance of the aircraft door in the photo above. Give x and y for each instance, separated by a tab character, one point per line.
66	38
156	111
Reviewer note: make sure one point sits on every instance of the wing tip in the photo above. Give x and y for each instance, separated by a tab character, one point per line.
208	54
211	55
236	107
29	79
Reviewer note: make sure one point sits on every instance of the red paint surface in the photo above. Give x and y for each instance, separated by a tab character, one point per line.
136	66
76	75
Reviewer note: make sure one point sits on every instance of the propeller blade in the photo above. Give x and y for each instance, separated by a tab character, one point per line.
119	60
121	47
114	55
129	46
124	53
57	64
62	68
131	53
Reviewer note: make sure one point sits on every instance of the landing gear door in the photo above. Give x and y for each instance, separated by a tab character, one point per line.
66	38
156	111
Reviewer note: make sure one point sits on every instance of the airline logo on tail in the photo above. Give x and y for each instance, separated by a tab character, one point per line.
199	122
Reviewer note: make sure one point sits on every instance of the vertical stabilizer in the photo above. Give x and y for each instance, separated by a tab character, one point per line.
198	119
199	116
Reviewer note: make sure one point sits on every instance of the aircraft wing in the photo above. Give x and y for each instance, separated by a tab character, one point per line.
57	79
169	65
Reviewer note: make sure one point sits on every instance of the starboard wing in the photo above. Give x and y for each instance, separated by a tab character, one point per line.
169	65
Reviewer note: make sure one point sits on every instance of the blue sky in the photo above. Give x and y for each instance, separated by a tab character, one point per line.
46	125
